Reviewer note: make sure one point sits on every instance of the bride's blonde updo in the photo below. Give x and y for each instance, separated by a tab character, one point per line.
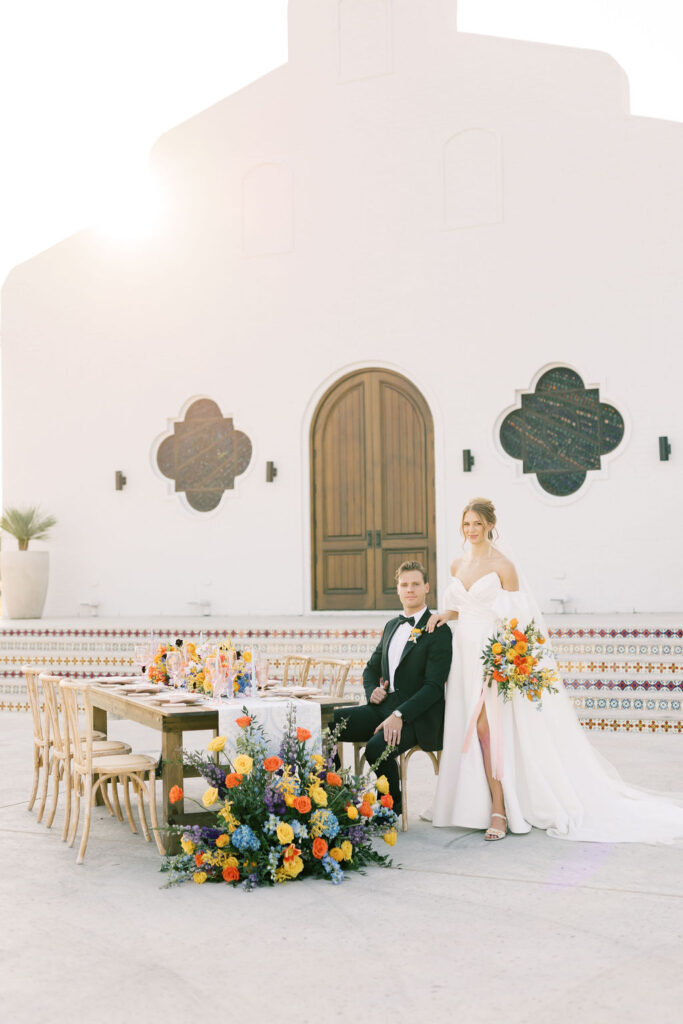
483	508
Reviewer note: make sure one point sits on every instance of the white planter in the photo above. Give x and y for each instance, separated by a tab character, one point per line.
24	576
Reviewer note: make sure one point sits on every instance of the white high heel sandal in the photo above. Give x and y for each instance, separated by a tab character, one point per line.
494	834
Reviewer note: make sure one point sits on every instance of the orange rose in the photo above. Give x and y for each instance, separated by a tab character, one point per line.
387	801
332	779
366	810
319	848
302	735
230	873
271	764
232	780
175	795
513	623
541	639
498	676
519	636
302	804
243	722
199	859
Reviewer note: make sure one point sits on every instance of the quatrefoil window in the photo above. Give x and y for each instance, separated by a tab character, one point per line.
561	431
204	454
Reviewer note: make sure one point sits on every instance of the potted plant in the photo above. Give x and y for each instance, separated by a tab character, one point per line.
24	573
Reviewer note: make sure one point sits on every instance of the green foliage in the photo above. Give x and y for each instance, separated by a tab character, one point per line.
26	524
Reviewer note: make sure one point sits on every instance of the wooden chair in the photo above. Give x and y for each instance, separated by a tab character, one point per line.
62	747
435	758
41	741
91	773
330	675
295	671
403	760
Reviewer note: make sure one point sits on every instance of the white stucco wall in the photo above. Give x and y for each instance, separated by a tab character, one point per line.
572	255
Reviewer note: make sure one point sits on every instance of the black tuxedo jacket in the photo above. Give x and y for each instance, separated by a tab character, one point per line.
419	679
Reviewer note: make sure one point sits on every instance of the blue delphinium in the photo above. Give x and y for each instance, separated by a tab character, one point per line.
299	829
332	868
270	827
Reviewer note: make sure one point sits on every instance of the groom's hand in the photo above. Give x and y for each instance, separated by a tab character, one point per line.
380	692
392	729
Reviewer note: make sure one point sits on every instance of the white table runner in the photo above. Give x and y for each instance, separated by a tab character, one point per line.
272	715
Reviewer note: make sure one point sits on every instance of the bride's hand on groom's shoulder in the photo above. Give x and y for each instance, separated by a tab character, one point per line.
439	619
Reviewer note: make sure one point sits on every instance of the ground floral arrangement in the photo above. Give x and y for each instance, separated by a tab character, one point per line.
280	818
512	660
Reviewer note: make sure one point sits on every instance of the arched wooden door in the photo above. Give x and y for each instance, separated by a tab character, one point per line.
372	466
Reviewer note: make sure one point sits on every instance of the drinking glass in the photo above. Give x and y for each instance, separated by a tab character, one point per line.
174	665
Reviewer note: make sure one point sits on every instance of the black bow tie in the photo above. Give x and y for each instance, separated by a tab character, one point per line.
406	618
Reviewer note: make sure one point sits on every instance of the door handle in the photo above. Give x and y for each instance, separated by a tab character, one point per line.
369	538
378	538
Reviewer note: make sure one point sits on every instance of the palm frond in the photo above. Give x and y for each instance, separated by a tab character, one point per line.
26	524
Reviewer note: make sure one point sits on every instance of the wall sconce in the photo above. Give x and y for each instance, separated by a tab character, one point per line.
120	480
467	460
271	472
664	449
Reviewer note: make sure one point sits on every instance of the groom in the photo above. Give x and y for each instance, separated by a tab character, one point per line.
404	683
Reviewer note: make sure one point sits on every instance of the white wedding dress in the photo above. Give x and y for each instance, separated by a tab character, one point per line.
552	778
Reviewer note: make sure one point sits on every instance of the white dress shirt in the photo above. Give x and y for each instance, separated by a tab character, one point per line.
398	642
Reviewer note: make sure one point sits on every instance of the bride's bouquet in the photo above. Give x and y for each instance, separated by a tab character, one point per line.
512	659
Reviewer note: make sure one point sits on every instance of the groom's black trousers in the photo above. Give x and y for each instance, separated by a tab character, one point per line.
360	728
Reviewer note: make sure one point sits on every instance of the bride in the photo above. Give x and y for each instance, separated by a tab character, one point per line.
507	765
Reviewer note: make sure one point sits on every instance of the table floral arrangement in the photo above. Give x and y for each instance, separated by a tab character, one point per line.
278	819
512	660
192	659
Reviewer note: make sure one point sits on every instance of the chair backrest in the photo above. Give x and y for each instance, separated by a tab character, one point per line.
296	669
331	675
41	721
72	693
59	734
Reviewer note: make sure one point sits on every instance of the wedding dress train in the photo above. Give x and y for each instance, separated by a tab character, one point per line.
552	778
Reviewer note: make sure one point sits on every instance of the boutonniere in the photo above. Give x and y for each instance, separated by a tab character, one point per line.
415	635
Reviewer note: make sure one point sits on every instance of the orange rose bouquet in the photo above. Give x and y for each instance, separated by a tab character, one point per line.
512	659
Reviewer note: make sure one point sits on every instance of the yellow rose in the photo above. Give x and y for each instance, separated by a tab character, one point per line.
222	840
318	761
390	837
210	797
285	833
246	656
199	877
293	867
370	797
216	744
352	812
336	854
347	850
318	795
511	656
497	648
382	785
289	799
231	862
187	845
243	764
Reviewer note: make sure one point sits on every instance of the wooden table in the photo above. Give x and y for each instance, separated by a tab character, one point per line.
172	723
